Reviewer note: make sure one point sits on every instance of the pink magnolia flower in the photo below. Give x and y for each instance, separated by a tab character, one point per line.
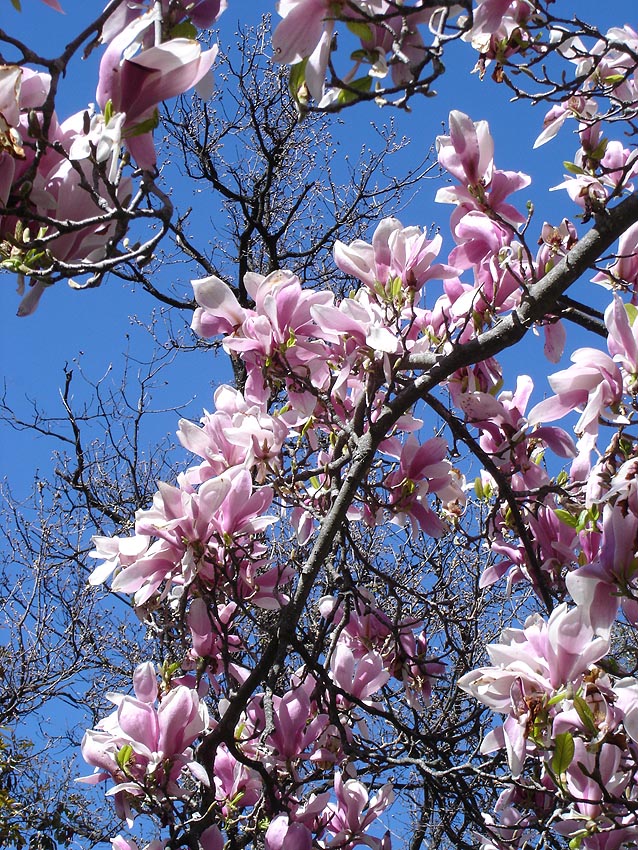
423	469
304	23
624	270
349	818
236	786
530	666
541	658
135	86
141	746
284	835
500	30
593	385
396	252
298	727
622	341
201	13
238	433
59	191
308	25
488	15
194	535
10	83
580	107
279	338
358	677
468	154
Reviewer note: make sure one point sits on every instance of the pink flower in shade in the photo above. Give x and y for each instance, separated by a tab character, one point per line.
59	193
298	727
622	341
609	579
10	83
423	469
364	627
284	835
202	13
211	633
212	839
58	189
236	786
358	677
585	787
354	812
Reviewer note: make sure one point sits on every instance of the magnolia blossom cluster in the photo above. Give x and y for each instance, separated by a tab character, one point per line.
40	184
570	733
602	168
207	548
63	193
320	373
145	744
145	749
394	41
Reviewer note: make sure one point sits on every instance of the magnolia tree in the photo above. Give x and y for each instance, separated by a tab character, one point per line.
322	578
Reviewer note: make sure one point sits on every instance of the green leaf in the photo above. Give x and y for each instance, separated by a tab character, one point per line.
396	288
599	151
563	753
361	30
585	715
144	126
559	697
16	5
632	312
185	29
297	78
123	756
614	78
360	85
572	168
566	518
108	111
